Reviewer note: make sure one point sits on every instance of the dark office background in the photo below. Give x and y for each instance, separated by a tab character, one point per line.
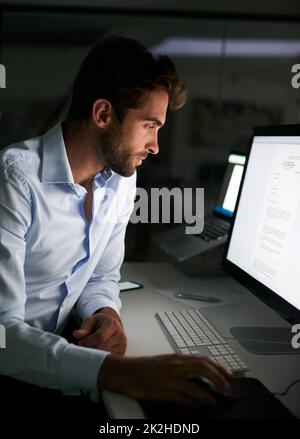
43	43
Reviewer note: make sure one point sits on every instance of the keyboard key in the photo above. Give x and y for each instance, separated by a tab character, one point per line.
185	351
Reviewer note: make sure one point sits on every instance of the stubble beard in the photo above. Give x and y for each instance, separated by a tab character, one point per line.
114	151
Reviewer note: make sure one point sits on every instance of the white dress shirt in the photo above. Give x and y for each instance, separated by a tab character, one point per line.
52	260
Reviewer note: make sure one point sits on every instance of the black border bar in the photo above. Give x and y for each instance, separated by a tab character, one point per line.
149	12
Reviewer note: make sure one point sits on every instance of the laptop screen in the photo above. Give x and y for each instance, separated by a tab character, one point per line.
230	187
265	238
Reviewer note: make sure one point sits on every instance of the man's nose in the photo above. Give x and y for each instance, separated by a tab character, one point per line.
153	147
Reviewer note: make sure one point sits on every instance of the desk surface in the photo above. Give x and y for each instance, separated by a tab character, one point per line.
145	336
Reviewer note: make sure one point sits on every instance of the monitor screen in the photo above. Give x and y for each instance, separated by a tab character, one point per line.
265	238
230	187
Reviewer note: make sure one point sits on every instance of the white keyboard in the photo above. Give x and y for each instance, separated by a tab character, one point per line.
190	332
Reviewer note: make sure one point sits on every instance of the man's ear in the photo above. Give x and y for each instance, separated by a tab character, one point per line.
102	113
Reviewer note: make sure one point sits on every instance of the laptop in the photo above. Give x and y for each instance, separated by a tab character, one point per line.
182	246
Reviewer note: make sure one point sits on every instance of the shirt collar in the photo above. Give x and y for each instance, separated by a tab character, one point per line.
55	165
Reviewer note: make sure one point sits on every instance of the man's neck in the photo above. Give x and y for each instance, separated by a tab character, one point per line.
84	158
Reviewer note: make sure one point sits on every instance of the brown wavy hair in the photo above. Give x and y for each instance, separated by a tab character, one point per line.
121	70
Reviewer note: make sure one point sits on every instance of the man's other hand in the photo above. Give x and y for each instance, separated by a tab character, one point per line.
103	331
163	377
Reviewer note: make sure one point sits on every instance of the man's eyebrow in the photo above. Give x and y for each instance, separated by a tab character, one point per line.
153	119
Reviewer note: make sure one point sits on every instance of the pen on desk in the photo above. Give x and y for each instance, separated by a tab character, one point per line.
197	297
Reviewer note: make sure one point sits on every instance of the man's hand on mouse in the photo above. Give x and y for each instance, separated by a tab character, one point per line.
103	330
163	377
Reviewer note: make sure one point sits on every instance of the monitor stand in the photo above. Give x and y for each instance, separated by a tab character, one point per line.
265	340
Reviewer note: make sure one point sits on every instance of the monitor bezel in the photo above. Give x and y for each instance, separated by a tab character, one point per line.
289	312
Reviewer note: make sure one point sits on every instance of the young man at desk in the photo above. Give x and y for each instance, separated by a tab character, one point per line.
65	200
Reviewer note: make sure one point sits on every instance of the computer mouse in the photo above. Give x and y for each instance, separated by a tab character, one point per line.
223	399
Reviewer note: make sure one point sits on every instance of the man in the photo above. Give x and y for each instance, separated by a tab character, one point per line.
65	200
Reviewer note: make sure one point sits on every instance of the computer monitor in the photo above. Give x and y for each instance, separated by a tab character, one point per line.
264	241
226	200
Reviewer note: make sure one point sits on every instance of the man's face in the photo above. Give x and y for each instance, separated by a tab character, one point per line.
126	145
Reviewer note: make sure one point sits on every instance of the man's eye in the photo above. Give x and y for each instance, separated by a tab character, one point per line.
149	127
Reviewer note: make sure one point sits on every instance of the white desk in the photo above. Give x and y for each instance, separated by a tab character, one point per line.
145	336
